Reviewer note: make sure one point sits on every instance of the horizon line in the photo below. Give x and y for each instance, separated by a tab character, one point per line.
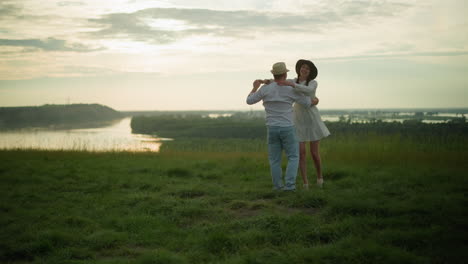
260	109
321	109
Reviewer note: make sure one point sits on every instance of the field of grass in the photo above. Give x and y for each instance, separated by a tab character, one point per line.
386	199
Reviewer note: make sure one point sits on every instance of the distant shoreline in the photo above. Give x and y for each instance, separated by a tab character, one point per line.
323	111
449	109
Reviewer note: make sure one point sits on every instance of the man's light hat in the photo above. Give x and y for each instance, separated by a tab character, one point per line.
279	68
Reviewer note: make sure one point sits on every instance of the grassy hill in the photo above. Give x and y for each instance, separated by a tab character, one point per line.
55	115
385	200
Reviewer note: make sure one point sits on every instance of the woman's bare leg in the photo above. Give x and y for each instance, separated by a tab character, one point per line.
302	162
314	150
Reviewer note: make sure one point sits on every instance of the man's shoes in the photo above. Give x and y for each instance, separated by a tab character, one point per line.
320	182
306	186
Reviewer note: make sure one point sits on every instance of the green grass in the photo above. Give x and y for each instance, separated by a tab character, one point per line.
385	200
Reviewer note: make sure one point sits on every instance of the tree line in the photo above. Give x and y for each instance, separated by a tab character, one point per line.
238	126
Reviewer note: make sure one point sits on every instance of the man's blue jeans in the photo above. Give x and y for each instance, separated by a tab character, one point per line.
279	139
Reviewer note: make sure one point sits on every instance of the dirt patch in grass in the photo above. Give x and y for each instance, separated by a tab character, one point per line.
305	210
245	212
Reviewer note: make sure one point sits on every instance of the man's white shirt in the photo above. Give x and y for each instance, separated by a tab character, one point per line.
278	101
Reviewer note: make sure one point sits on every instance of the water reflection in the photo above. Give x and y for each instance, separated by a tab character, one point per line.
331	118
219	115
364	119
117	137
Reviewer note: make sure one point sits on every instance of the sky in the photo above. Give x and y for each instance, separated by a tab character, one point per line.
205	54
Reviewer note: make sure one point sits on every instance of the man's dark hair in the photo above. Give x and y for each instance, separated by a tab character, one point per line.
279	76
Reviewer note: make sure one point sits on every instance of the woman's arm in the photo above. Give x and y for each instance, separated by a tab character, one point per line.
309	89
305	89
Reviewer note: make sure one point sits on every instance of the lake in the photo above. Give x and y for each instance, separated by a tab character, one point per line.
119	137
116	137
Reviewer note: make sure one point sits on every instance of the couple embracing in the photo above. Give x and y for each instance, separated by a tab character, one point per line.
290	127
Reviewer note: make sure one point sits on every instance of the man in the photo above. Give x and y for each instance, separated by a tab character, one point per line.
278	101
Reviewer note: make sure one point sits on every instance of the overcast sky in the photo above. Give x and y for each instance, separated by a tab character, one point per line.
205	54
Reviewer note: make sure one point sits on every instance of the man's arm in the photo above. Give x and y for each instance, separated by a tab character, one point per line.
304	100
311	102
254	96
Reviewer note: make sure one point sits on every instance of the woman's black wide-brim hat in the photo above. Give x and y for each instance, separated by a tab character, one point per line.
313	69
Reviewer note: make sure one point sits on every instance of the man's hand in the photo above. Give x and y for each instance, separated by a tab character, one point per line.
315	101
285	83
256	84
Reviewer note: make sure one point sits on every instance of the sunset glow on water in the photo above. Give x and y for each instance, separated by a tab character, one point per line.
117	137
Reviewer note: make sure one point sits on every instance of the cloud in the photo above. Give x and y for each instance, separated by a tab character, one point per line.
402	54
370	8
7	12
236	24
50	44
70	3
76	70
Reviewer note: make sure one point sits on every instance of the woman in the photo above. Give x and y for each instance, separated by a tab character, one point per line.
309	126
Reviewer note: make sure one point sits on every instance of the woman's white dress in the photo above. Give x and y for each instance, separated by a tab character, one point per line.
309	124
